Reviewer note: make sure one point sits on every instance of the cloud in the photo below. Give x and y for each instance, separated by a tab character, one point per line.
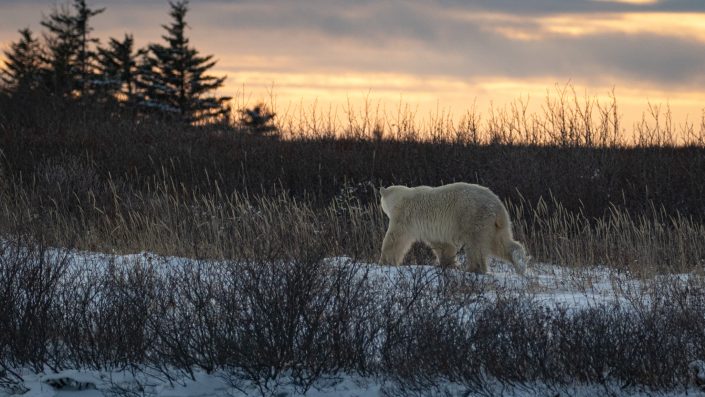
654	43
463	40
546	7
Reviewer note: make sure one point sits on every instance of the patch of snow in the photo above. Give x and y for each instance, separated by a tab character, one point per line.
551	285
123	383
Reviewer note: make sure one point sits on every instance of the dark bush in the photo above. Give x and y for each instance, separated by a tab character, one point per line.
265	322
43	131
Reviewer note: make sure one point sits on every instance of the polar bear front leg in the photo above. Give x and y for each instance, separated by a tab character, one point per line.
394	247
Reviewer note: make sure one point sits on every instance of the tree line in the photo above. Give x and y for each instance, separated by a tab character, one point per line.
169	79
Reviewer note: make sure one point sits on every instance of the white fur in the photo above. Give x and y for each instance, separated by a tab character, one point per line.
447	218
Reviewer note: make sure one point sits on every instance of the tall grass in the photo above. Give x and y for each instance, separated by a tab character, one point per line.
562	118
646	243
170	219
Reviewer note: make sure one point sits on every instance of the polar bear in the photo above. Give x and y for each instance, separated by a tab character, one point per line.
447	218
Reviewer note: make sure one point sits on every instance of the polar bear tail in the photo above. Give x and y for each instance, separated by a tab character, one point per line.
506	247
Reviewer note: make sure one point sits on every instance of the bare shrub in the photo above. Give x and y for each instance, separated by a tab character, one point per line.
298	322
514	341
30	279
427	336
269	322
107	308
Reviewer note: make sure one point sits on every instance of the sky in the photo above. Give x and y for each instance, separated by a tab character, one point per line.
444	54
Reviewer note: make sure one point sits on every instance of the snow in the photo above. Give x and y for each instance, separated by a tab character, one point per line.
207	385
99	384
552	286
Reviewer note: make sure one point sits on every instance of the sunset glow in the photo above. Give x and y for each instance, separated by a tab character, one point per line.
430	56
686	25
630	1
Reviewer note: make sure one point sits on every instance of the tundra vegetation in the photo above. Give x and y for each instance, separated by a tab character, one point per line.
281	222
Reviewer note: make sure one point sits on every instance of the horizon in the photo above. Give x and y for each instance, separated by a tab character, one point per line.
445	57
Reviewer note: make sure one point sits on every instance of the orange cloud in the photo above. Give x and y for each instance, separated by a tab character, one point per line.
688	25
637	2
674	24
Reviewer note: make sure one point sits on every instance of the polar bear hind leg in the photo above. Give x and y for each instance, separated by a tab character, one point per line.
476	254
505	247
514	253
476	261
517	256
445	254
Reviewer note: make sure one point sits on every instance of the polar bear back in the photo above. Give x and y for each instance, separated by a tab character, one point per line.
446	213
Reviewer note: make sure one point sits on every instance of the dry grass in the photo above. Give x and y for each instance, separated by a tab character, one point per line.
645	244
169	219
561	118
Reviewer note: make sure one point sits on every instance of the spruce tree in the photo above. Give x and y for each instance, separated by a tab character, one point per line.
69	57
173	77
86	55
62	46
21	72
117	64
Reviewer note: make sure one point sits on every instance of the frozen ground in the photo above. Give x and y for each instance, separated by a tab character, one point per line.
553	286
94	384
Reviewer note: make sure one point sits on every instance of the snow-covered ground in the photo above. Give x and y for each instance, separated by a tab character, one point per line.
553	286
96	384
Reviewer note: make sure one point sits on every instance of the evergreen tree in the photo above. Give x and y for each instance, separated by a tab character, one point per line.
173	78
117	65
23	63
258	121
86	55
69	58
62	45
